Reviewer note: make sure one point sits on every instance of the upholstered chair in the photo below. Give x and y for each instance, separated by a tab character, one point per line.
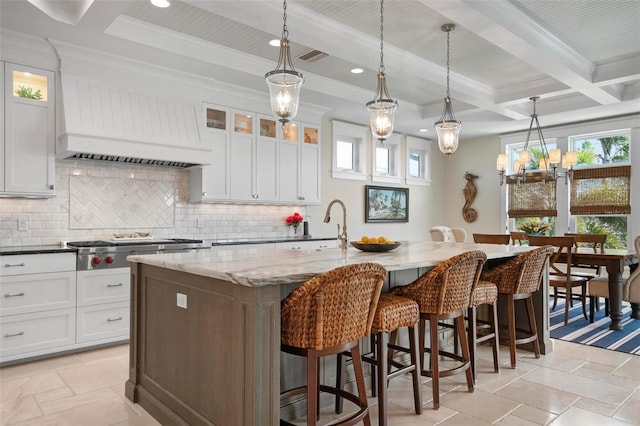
448	235
599	287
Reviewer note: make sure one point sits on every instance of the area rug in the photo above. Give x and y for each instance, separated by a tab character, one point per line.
579	330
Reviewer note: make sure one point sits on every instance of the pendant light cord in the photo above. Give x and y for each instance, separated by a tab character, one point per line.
285	31
381	69
448	33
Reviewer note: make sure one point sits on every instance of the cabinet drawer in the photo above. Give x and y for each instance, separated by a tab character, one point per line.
37	331
307	245
20	294
103	322
106	286
37	263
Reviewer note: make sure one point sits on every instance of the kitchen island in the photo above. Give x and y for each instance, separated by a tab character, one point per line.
205	326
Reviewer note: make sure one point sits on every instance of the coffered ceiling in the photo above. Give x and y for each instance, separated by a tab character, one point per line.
581	57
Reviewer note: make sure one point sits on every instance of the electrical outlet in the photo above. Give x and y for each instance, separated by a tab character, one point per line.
181	300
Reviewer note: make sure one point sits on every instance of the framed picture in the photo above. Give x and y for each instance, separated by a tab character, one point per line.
386	204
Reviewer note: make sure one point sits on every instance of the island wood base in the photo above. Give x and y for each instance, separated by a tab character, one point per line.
215	362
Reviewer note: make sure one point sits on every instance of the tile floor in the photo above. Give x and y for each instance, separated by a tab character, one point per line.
574	385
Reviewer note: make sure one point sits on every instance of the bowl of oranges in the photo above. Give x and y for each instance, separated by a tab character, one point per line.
375	244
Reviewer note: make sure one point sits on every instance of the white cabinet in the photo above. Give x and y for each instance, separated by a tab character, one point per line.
300	164
256	160
211	183
252	172
37	304
28	139
307	245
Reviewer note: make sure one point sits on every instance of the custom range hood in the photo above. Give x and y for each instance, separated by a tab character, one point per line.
117	110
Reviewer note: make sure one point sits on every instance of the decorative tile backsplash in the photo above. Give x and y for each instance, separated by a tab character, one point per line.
106	203
96	200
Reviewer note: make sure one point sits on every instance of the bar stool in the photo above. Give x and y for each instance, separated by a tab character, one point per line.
444	292
517	279
485	293
328	315
393	312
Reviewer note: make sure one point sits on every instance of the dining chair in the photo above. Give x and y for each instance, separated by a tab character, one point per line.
560	276
518	279
592	241
448	235
518	237
599	287
444	292
328	315
492	238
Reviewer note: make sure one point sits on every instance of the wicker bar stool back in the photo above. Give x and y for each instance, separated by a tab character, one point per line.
444	292
327	315
517	279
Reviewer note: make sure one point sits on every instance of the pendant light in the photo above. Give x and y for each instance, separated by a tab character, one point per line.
548	159
448	127
284	82
382	107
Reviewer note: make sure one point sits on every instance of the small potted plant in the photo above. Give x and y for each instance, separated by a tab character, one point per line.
534	227
294	220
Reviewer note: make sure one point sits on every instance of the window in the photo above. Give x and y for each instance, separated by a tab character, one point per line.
601	149
382	161
386	159
606	157
417	161
535	153
348	151
345	154
605	151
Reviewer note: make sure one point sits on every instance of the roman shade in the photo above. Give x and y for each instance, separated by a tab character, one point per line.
532	198
602	190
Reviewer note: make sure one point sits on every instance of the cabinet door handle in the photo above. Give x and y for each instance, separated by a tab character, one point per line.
114	319
19	333
51	187
14	294
114	285
301	198
9	265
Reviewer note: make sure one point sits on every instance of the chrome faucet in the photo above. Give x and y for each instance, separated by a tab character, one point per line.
327	217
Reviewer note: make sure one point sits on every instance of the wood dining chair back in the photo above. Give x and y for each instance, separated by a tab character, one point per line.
327	315
492	238
588	241
519	238
560	276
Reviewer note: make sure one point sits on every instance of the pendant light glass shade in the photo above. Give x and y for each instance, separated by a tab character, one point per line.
448	127
284	82
382	108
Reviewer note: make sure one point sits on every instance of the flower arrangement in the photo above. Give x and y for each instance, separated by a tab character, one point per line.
535	226
294	220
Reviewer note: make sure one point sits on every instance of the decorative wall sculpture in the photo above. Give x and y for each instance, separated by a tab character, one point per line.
469	214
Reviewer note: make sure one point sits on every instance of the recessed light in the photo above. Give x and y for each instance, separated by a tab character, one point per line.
161	3
357	71
423	130
275	42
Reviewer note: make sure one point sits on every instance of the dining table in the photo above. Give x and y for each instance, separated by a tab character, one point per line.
614	260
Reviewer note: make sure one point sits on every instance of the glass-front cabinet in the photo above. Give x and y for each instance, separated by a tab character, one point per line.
28	135
256	159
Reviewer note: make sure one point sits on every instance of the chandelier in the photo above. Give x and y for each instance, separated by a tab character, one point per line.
382	107
448	127
284	82
548	160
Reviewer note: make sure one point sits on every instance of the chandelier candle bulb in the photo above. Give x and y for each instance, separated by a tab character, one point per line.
543	164
554	156
572	158
523	156
501	162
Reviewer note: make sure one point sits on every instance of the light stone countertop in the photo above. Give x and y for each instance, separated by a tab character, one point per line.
260	266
